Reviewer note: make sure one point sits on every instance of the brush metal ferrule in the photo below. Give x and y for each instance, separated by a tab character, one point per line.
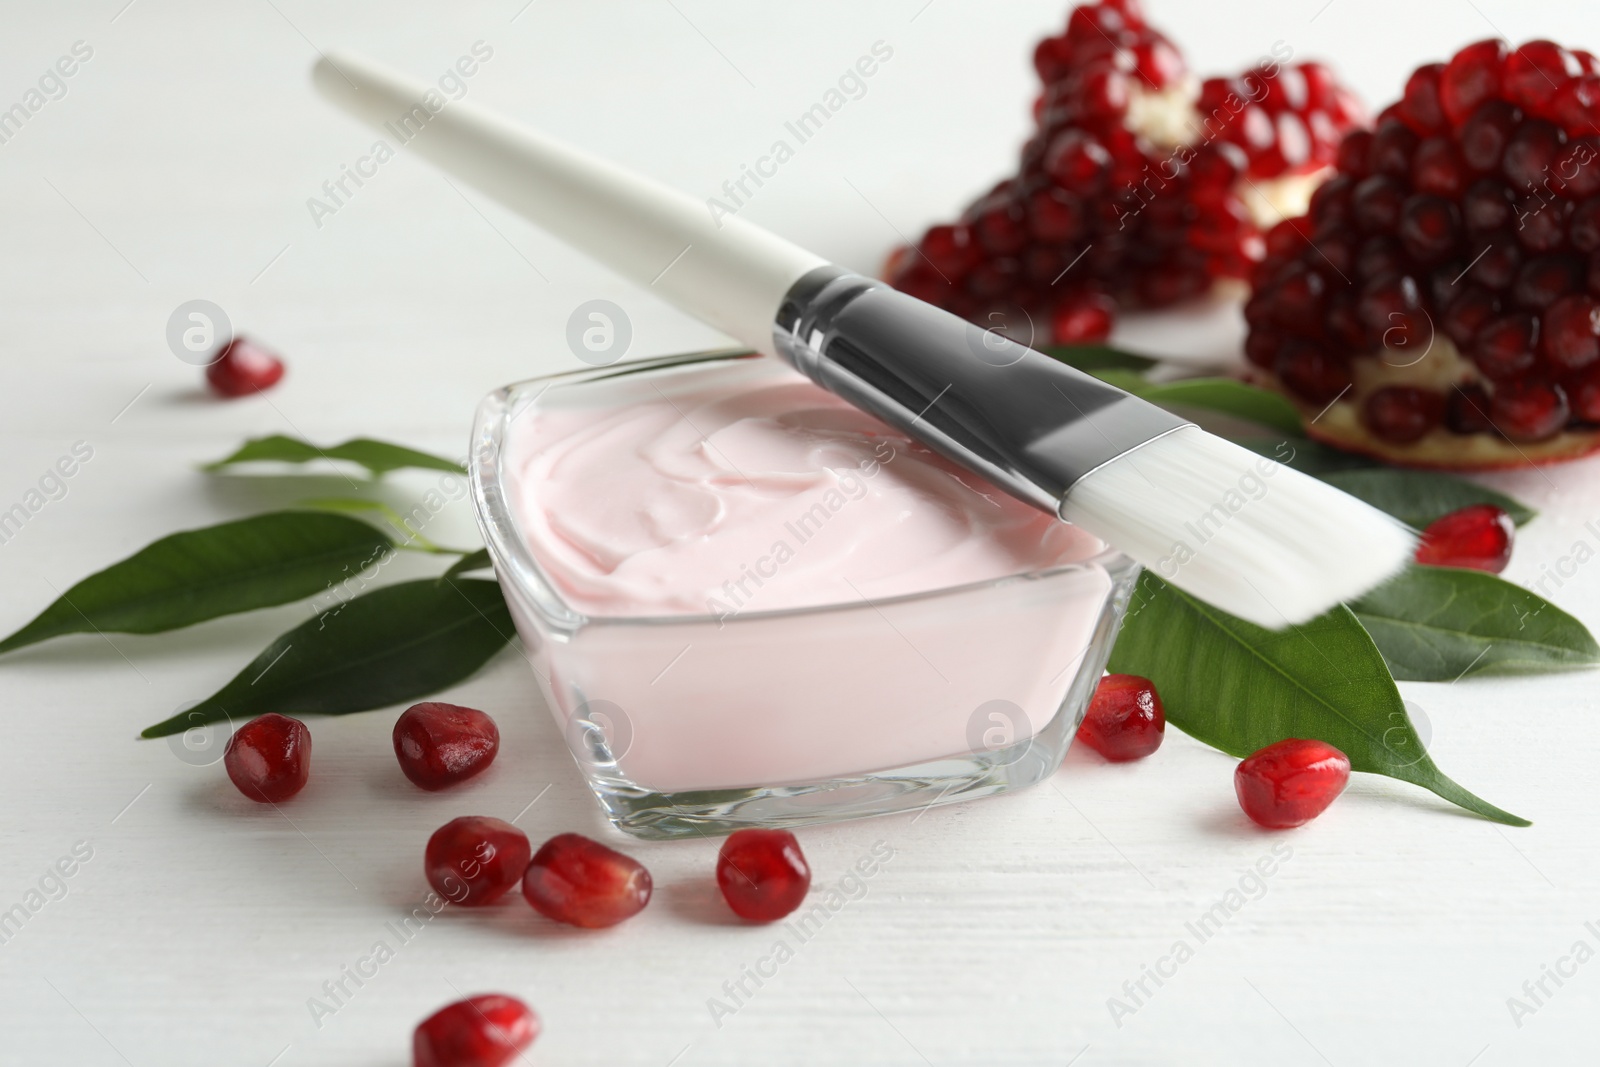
1030	424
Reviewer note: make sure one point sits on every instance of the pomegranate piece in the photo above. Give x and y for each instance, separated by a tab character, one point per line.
243	367
476	860
439	745
763	874
1140	186
1464	240
1289	783
269	758
1478	536
580	882
488	1030
1125	720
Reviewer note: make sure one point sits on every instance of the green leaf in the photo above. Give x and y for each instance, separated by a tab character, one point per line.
472	561
379	457
196	575
1239	687
1435	624
1097	358
394	644
1418	497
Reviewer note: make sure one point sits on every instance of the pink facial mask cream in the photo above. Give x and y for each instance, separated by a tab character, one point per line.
749	603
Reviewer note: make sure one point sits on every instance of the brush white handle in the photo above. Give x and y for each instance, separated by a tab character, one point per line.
732	275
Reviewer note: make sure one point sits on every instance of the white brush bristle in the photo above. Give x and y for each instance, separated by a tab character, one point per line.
1253	537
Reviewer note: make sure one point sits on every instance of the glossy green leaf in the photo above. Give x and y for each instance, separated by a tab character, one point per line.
472	561
1435	624
395	644
1097	358
1418	497
379	457
195	575
1239	687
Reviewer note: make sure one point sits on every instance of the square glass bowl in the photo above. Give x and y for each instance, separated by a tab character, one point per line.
815	714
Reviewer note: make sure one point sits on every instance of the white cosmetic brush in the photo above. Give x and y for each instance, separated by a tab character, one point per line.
1251	536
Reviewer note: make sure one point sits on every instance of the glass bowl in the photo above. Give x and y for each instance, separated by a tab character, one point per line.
699	724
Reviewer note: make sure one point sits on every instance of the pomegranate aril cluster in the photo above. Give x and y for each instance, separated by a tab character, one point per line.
1469	217
1103	214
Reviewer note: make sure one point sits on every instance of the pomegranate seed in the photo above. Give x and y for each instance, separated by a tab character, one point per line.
1571	333
1392	149
1583	230
1401	414
1478	537
1376	202
1531	153
1310	372
1290	783
1082	319
1545	279
1497	264
1470	78
1487	206
762	874
1125	720
439	745
243	367
1078	162
1576	104
1002	230
1353	153
1536	73
476	860
1528	411
1584	393
488	1030
1504	348
1438	168
1055	216
1541	226
580	882
952	250
269	758
1467	410
1420	106
1430	228
1472	308
1484	136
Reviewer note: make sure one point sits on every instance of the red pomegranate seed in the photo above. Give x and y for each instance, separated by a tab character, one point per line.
1504	348
1584	393
1472	308
243	367
1082	319
1353	153
1545	279
1470	78
1401	414
476	860
762	874
1575	105
439	745
1290	783
1487	206
1531	153
1376	203
488	1030
1478	537
1484	136
952	250
1310	372
1497	263
1536	73
581	882
1078	162
1467	410
1430	228
1528	410
269	758
1125	720
1392	149
1438	168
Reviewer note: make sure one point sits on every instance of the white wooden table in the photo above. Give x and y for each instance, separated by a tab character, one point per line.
178	165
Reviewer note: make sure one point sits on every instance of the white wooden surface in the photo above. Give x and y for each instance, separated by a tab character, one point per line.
178	166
